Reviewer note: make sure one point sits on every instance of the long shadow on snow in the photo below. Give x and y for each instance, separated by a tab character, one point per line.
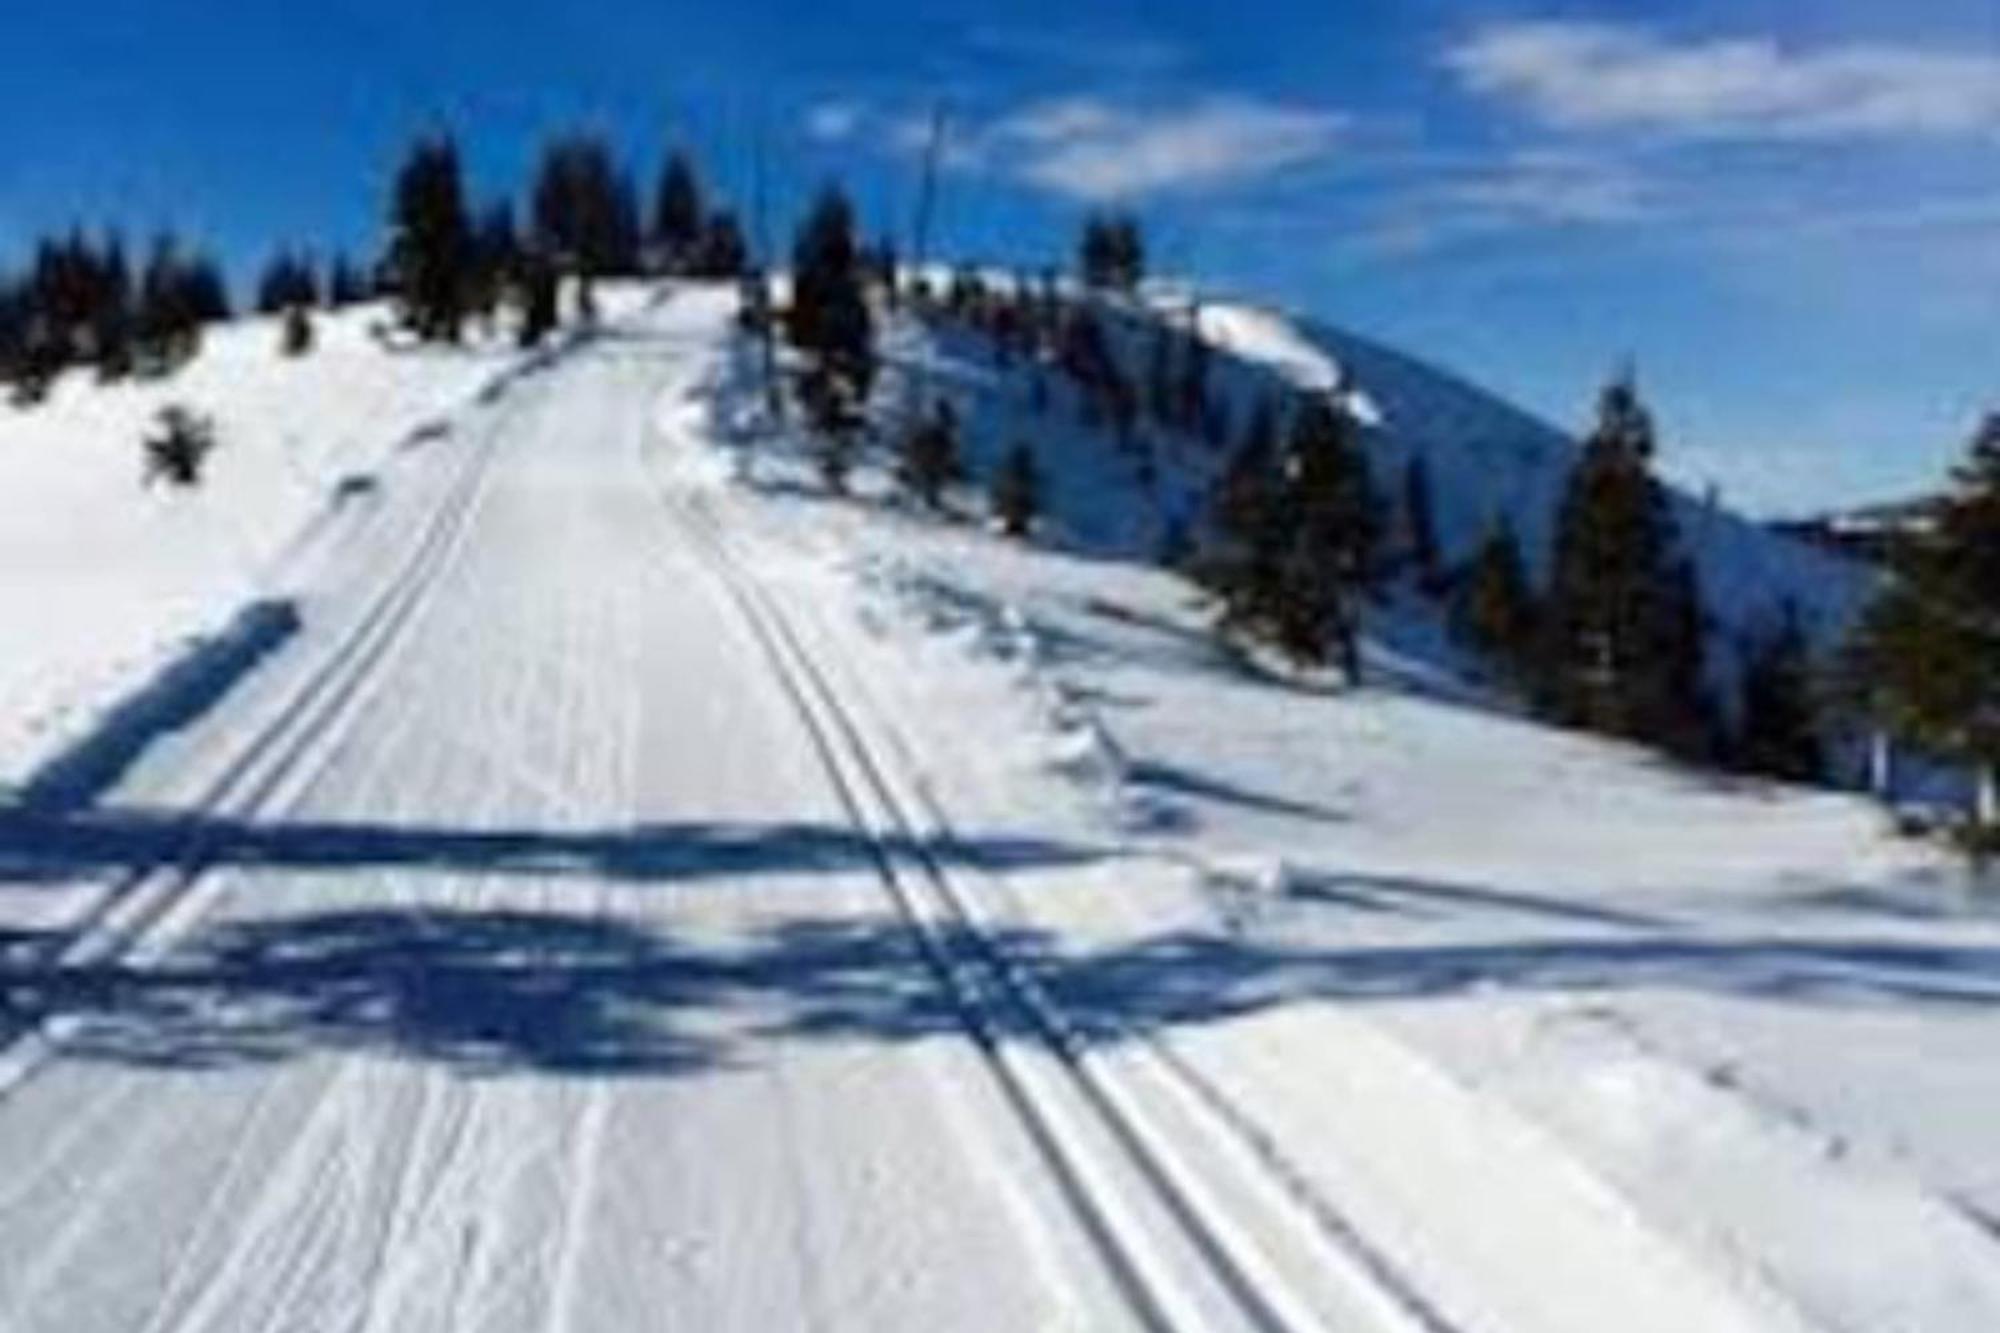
177	697
489	991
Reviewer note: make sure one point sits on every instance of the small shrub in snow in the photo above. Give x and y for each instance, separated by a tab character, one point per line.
178	449
297	336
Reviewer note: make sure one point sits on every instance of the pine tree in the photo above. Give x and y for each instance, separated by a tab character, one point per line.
177	294
586	212
1111	253
930	459
1420	520
1242	569
1928	650
113	321
831	324
1335	522
496	260
1625	620
1162	384
1296	533
536	291
1494	610
724	254
288	280
679	217
431	245
345	285
1778	731
1017	492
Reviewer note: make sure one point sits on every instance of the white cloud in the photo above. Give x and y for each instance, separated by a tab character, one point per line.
1534	189
1090	149
834	122
1598	76
1552	186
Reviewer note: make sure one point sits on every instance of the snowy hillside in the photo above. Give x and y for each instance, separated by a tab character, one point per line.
102	577
635	888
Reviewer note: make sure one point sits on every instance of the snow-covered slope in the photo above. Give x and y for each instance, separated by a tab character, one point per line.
1487	459
1481	992
101	578
640	889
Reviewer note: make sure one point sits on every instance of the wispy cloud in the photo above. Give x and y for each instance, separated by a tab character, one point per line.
834	122
1091	149
1608	76
1530	189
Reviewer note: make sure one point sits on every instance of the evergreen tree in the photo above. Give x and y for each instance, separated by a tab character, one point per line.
288	280
1297	531
1335	521
112	322
930	455
1193	402
1162	385
1928	650
585	211
830	323
1112	252
496	260
536	290
175	294
1494	611
679	217
1624	612
1778	732
345	284
1017	492
724	254
431	245
1420	520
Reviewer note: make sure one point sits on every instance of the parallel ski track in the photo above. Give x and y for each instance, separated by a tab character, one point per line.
143	903
1049	1072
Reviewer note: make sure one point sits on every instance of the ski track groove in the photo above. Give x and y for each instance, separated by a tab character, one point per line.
333	1099
979	987
1306	1205
311	716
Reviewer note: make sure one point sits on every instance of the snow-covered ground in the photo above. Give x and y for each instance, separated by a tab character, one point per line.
629	889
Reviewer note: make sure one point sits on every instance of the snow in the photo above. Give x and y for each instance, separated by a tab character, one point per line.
611	884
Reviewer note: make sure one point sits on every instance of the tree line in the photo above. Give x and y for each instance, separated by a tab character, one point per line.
82	299
447	264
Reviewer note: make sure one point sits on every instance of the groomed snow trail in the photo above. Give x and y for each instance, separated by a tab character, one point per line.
561	930
543	941
502	957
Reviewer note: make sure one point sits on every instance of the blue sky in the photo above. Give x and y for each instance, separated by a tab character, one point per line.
1789	214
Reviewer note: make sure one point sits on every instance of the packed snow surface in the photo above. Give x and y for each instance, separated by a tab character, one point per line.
582	877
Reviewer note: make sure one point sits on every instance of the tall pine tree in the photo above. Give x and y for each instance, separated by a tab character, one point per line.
430	249
1929	648
1494	611
1777	728
831	324
679	218
1296	532
1625	622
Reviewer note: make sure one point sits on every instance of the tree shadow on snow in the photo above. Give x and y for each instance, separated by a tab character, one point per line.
489	990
